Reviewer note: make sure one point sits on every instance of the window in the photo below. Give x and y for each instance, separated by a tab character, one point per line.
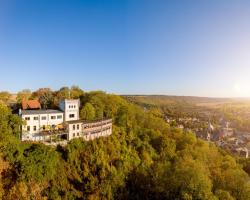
28	128
34	128
74	127
27	118
35	118
53	117
74	135
77	134
77	127
59	116
43	118
71	115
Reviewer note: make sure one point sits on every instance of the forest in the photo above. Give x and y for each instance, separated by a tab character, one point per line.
144	158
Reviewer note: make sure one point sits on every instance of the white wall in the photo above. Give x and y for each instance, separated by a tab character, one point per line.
70	107
75	130
40	122
89	133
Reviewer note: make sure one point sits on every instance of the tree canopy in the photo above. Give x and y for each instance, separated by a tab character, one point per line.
144	158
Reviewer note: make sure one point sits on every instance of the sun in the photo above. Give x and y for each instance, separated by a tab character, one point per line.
238	88
241	89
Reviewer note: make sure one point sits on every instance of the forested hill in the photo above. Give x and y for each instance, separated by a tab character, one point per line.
144	158
167	100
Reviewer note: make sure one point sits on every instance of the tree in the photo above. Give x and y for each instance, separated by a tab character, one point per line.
5	97
23	95
88	112
63	93
97	101
39	163
75	92
45	97
15	123
144	158
5	113
223	195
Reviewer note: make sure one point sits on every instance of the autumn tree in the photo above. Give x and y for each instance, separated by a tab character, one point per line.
88	112
5	97
23	95
75	92
45	97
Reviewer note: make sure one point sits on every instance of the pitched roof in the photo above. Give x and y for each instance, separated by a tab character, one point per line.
30	104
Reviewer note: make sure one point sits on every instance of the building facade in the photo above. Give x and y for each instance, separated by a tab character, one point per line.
89	130
63	124
70	107
37	121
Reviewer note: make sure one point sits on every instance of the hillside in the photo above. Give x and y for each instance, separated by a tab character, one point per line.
144	158
168	100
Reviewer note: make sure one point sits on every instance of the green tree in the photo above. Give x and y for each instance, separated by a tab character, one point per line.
45	97
88	112
38	163
23	95
223	195
5	97
75	92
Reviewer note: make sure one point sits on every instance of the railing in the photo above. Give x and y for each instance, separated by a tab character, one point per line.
96	124
87	132
54	132
97	127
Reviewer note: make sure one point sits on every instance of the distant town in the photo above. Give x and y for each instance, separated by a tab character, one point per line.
222	121
224	135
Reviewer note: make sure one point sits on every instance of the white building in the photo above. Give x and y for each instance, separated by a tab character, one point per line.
37	121
45	125
89	130
70	107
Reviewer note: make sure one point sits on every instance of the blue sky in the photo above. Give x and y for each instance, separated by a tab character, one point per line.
188	47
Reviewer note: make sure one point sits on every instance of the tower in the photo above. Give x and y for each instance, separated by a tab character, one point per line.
70	107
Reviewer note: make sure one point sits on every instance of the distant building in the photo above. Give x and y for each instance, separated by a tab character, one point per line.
242	152
180	126
64	124
208	138
217	136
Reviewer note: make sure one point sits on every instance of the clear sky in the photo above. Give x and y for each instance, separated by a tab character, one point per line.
176	47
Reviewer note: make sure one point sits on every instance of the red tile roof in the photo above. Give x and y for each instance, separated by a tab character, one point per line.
30	104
